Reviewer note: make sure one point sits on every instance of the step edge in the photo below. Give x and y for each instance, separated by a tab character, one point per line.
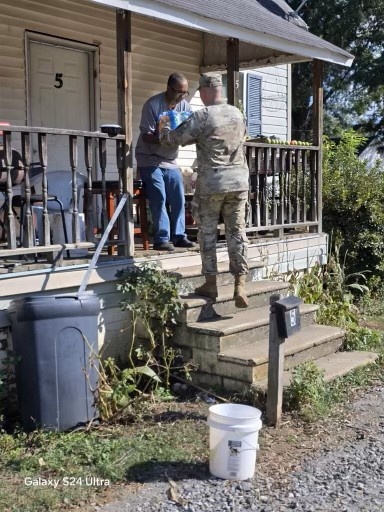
325	338
198	327
197	269
365	358
251	287
262	384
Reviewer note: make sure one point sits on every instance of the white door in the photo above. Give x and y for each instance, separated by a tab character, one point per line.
60	97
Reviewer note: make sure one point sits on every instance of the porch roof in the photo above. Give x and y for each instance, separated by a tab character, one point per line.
266	24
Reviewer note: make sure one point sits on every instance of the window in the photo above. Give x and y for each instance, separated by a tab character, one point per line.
253	105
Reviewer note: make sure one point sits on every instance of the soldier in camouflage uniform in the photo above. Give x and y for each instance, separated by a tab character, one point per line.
222	183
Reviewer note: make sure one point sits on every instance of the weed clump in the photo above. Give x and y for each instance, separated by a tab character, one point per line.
151	296
307	392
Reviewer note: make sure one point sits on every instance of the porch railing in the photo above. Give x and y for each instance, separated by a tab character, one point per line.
19	138
285	187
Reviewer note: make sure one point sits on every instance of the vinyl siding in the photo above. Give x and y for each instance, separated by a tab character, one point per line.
158	49
274	100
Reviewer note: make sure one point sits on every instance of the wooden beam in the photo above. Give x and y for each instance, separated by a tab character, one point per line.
124	108
318	135
275	368
233	71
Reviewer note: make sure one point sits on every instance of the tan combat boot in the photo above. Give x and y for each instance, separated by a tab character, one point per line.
240	296
209	288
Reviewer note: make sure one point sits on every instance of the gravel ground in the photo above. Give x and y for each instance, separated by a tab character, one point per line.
346	475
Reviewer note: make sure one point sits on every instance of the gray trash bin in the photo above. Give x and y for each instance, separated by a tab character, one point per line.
55	340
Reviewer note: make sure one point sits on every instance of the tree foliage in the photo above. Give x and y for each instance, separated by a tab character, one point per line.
352	96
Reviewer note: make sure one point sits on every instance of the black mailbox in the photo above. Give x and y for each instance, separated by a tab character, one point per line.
287	316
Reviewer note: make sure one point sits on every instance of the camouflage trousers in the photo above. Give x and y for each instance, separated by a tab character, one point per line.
206	212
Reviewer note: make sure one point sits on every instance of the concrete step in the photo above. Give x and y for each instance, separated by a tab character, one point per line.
190	277
197	308
234	330
334	365
311	342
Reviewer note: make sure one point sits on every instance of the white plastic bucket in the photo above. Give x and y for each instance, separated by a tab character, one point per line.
233	440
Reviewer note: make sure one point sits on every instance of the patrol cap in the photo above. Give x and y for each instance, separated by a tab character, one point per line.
210	81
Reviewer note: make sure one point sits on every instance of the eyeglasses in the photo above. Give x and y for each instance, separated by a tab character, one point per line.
182	94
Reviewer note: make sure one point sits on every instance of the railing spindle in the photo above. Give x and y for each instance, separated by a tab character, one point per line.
258	159
304	157
313	169
264	189
282	176
42	145
120	165
251	166
274	200
73	157
103	165
297	185
11	228
288	174
88	196
27	228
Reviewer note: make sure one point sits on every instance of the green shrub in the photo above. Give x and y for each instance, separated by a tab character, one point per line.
332	289
353	205
362	338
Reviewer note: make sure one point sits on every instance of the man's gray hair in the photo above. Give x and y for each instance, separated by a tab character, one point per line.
175	79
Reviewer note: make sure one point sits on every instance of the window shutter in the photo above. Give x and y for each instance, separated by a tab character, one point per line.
253	105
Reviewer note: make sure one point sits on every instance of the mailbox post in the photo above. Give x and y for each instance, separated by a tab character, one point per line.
284	320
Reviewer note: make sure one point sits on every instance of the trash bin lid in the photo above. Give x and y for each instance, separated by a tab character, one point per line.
54	306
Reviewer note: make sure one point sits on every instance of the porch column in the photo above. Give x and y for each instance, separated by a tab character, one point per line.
233	71
317	127
124	107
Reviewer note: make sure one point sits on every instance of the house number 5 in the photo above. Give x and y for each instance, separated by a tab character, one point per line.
59	80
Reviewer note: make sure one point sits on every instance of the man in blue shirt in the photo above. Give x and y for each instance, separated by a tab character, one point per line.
158	169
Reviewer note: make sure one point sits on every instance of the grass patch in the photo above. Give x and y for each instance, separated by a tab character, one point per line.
113	454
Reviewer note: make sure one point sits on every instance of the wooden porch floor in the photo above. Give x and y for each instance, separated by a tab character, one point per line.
32	262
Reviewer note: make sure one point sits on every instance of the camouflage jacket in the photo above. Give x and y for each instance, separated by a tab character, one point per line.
218	132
